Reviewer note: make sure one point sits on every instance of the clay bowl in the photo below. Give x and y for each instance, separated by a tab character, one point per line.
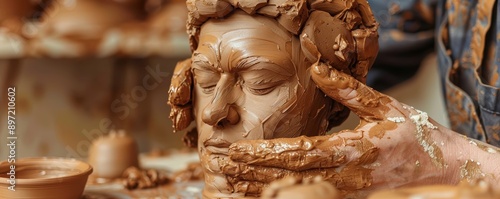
44	178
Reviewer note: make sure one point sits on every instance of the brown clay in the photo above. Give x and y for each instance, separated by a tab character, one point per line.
263	52
44	178
179	96
135	178
232	110
111	154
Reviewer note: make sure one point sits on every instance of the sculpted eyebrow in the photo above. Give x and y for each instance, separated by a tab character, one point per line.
201	62
259	63
247	62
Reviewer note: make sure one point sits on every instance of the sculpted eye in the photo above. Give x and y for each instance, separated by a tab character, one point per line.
261	91
208	89
206	80
258	84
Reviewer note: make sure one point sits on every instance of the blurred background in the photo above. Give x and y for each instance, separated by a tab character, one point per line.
84	67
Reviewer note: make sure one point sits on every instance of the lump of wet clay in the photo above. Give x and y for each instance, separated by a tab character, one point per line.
111	154
291	187
465	190
135	178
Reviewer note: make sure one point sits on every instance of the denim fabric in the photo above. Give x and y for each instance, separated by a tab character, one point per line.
406	37
411	21
468	32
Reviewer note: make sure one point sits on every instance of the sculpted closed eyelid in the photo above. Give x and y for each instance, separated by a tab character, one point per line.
264	72
261	80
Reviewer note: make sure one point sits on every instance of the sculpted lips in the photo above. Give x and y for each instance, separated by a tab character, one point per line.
217	146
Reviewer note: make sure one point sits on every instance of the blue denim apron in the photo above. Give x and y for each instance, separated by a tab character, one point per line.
406	37
468	32
467	36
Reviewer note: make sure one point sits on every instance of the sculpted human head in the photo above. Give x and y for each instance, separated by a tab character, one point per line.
251	71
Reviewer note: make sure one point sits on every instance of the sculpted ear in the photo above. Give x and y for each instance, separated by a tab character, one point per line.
179	96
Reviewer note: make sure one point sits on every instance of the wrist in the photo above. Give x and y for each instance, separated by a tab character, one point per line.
454	154
469	159
457	154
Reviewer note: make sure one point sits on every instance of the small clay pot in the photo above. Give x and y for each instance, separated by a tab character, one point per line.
110	155
44	178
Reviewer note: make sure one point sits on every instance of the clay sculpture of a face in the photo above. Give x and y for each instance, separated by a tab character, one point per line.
248	77
250	85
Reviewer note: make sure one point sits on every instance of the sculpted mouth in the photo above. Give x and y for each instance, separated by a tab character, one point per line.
217	146
217	142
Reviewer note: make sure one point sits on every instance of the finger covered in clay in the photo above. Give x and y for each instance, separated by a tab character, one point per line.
349	177
299	153
366	102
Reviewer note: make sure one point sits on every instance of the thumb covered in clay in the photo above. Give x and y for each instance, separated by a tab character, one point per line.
369	104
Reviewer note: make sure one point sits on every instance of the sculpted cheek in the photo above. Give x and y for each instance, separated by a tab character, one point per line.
262	119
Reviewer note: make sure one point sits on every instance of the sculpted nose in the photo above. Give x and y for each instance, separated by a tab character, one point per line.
220	111
219	115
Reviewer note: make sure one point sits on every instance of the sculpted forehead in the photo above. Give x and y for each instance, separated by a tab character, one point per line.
225	41
241	20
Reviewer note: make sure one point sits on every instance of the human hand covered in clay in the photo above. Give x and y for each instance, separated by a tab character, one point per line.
394	145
